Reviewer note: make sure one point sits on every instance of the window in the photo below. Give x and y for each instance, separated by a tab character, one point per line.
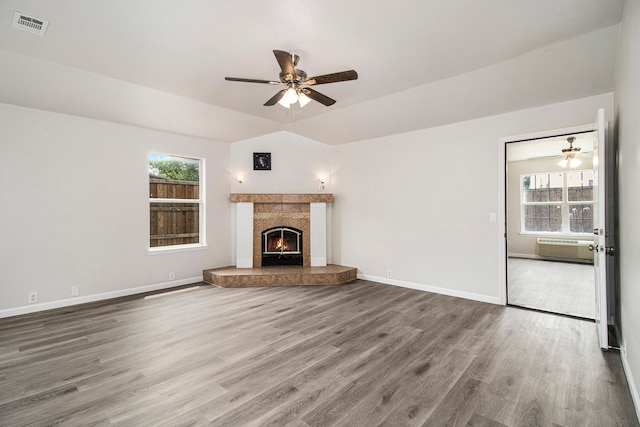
580	201
558	202
176	201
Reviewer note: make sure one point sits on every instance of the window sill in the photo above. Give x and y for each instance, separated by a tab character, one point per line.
173	249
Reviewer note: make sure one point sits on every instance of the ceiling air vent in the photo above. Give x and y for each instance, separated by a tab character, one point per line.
29	23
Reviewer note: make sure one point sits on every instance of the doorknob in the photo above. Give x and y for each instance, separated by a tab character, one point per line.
610	250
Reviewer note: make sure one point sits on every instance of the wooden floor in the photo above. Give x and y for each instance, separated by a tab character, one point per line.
362	354
558	287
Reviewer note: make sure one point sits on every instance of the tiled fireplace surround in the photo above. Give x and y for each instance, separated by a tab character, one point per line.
258	212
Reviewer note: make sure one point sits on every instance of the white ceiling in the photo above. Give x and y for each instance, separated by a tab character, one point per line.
420	63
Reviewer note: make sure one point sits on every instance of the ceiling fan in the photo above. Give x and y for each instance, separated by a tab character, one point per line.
297	82
569	155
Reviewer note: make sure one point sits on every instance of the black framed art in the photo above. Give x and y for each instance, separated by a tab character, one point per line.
261	161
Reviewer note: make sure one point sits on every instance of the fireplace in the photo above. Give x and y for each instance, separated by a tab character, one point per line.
303	213
282	246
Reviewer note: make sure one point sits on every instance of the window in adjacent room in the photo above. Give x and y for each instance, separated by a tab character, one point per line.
580	201
176	201
558	202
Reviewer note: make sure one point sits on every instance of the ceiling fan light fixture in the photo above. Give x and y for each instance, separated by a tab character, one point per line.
284	103
290	96
303	99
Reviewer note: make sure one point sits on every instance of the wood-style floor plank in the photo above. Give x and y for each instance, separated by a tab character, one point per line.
362	354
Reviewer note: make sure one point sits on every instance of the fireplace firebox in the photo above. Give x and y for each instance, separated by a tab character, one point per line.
282	246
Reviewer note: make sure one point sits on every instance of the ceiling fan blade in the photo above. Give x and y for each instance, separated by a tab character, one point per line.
317	96
275	98
342	76
285	62
238	79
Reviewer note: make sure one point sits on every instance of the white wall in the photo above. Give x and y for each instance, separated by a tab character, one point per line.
296	164
419	203
627	90
74	195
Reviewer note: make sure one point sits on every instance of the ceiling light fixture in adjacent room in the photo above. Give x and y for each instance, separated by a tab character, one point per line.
569	155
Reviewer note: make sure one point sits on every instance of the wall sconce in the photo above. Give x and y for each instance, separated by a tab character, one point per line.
321	180
239	178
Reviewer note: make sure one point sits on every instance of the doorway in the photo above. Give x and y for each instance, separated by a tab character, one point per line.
549	223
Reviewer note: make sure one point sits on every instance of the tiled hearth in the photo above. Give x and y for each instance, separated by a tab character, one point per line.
231	277
259	212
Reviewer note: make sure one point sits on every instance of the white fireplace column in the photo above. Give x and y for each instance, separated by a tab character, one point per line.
244	235
318	238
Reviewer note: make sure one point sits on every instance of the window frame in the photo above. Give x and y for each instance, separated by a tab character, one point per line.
200	201
564	203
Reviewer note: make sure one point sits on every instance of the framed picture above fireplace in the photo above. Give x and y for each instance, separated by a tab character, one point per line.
261	161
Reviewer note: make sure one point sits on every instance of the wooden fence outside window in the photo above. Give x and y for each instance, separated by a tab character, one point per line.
174	223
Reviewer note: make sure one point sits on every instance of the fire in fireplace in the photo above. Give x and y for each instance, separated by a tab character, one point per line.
282	246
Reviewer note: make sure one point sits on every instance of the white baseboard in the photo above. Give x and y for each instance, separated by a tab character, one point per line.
630	380
33	308
433	289
526	256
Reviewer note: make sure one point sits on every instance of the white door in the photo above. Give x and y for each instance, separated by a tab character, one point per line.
599	230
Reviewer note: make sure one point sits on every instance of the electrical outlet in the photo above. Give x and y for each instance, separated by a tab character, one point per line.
389	273
75	291
623	347
33	297
172	276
